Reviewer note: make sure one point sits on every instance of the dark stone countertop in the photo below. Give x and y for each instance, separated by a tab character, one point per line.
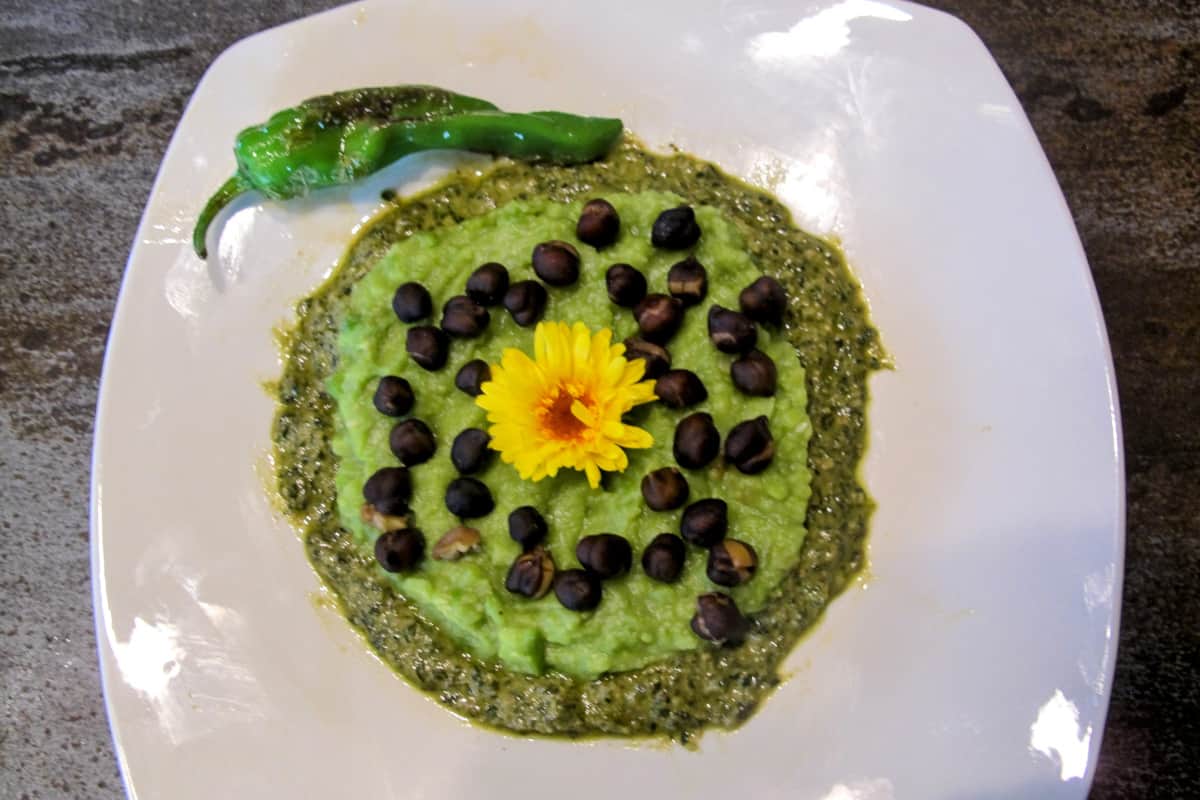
89	96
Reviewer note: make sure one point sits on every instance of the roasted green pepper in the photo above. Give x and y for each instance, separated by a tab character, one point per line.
338	138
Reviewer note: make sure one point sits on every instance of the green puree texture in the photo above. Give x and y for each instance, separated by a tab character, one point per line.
678	696
639	620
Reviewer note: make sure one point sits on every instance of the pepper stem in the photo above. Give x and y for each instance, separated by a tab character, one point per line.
229	190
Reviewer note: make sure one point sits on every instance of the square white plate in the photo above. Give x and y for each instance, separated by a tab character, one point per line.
973	661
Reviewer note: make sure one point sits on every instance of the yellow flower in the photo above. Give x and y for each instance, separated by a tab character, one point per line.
563	407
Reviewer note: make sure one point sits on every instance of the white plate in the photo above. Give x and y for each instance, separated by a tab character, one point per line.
974	661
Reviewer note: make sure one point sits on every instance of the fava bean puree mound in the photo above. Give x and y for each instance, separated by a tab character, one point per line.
640	557
639	620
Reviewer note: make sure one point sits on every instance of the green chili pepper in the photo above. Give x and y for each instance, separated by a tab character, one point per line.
339	138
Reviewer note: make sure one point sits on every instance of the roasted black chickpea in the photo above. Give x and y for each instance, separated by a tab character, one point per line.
688	281
384	523
764	301
393	396
389	490
412	442
680	388
488	283
578	589
754	374
705	522
658	317
697	440
663	558
469	453
464	318
731	331
531	574
750	446
626	285
456	543
607	555
718	619
468	497
527	527
412	302
399	551
731	562
675	229
598	223
471	377
664	489
556	263
525	300
428	346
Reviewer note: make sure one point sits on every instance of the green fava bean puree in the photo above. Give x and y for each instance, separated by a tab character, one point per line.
639	620
632	666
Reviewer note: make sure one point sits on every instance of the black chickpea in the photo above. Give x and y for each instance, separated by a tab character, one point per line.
388	490
531	574
606	555
456	543
680	388
750	446
697	440
731	331
675	229
764	301
658	317
663	558
412	302
464	318
664	489
393	396
718	619
468	497
578	589
527	527
731	562
754	374
488	283
688	281
412	442
626	285
525	300
471	377
598	223
428	346
399	551
705	522
469	453
556	263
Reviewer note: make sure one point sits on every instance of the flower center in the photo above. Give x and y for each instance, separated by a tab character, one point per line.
557	419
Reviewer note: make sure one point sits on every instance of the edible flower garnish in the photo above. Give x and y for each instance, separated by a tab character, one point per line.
563	407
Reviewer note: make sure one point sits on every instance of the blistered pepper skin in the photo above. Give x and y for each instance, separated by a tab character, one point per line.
342	137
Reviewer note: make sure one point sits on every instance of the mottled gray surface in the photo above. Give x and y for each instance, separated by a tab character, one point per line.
89	95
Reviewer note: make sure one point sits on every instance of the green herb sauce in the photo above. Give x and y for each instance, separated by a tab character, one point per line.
828	325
